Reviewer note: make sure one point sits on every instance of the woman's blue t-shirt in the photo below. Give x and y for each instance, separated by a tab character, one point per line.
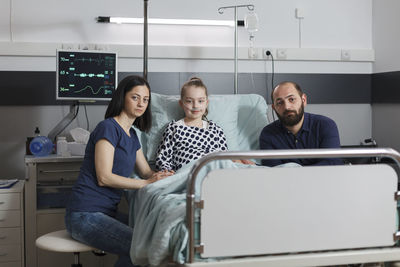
86	194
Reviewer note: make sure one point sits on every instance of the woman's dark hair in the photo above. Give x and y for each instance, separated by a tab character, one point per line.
196	82
117	103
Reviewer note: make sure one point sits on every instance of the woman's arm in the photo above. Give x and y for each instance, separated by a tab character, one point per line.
144	169
104	158
142	165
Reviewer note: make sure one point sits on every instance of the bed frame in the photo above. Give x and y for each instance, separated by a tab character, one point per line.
322	215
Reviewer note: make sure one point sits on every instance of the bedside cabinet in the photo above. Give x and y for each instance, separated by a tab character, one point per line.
12	226
49	181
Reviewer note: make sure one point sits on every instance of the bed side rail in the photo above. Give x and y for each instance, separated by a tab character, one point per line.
271	154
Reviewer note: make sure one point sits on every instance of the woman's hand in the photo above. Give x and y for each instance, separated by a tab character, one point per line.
156	176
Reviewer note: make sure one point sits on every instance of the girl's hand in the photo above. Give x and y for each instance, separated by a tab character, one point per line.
248	162
244	161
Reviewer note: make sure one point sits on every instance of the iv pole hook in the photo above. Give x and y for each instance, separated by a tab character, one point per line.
221	11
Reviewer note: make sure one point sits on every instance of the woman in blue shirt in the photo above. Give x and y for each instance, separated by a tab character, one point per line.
111	154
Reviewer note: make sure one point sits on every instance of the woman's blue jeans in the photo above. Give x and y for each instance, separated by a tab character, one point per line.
103	232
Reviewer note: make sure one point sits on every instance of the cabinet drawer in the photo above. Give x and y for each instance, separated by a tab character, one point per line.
10	253
10	201
11	264
58	172
10	218
10	236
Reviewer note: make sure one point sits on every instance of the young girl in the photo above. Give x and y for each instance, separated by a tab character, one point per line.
111	154
193	136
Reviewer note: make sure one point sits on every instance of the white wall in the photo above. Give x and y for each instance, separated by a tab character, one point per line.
353	120
29	27
327	24
386	123
386	39
385	119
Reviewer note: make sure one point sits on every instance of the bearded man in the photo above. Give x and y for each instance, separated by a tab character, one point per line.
296	129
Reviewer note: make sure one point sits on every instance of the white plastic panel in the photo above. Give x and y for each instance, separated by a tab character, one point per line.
328	258
278	210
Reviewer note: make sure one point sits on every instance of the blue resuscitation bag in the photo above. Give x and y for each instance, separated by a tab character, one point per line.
41	146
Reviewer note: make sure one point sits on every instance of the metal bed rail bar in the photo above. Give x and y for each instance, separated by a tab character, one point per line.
271	154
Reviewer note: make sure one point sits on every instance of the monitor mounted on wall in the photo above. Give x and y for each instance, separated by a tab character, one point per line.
85	75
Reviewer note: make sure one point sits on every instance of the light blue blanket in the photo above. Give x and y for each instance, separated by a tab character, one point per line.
158	213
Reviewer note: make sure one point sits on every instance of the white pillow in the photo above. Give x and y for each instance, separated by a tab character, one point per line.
242	117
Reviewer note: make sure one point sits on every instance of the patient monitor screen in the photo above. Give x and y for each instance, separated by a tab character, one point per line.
86	75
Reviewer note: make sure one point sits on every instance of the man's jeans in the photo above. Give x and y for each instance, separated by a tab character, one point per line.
103	232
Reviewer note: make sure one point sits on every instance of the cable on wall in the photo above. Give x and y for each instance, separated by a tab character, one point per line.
87	119
272	71
269	54
299	14
11	33
299	33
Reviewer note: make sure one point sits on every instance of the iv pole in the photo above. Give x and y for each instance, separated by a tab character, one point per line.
145	39
221	11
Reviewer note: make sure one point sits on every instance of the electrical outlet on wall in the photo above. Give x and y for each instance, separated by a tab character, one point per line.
70	46
102	47
253	53
267	53
281	53
346	55
299	13
87	46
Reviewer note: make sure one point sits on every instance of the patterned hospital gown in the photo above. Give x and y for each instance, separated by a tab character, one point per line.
182	144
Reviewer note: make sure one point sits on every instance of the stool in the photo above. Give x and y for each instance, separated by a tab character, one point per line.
61	241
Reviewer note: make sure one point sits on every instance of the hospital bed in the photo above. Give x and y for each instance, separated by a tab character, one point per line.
309	216
218	213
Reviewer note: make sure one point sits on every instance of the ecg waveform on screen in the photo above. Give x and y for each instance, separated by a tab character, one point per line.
106	89
90	75
91	89
98	61
94	73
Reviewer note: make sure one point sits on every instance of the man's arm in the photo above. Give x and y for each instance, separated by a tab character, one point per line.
329	138
265	141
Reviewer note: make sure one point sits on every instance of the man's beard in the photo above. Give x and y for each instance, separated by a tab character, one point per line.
292	120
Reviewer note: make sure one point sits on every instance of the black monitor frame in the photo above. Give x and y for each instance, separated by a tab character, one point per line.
86	75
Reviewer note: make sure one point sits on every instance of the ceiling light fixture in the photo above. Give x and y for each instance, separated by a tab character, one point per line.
191	22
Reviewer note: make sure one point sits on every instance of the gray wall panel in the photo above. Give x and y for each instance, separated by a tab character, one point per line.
217	83
164	82
386	87
28	88
332	88
38	88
